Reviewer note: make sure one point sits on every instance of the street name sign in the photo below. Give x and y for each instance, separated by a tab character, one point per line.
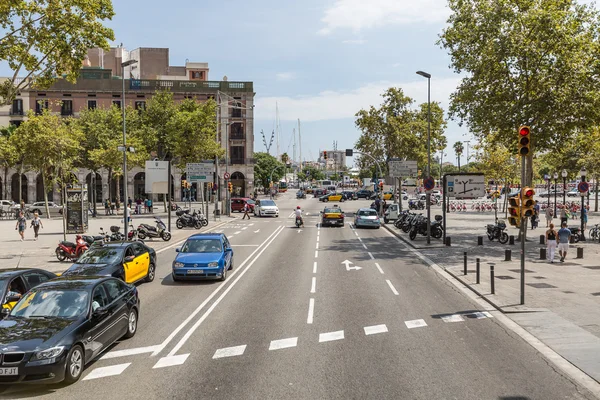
465	186
402	168
199	172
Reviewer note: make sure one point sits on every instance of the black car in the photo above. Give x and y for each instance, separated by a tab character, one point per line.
129	261
349	195
18	282
60	326
364	194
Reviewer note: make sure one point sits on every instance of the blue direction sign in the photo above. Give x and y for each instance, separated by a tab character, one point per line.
583	187
429	183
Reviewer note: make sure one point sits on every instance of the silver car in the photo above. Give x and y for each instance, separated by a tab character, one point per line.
367	217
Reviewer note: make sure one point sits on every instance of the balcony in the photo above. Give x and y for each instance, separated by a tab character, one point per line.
236	136
238	161
15	112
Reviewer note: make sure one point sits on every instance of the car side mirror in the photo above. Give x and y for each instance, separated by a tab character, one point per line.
229	249
129	259
11	299
177	250
4	313
99	312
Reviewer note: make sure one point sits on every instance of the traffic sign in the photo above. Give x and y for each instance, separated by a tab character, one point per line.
226	175
199	172
429	183
401	168
583	187
465	186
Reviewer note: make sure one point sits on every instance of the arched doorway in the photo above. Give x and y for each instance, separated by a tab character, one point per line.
39	189
113	188
15	188
238	181
139	186
89	179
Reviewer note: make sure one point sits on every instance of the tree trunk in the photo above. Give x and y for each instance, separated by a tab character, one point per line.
45	194
458	158
117	189
21	183
110	178
596	192
5	182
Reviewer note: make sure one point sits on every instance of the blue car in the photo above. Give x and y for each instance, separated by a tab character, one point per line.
203	256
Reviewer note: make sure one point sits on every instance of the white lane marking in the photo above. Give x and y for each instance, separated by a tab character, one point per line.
315	267
313	286
356	233
171	361
257	231
331	336
371	255
107	371
213	294
317	245
219	231
415	323
487	314
235	233
452	318
283	343
378	267
251	224
311	311
317	238
360	239
244	228
230	352
128	352
392	287
365	246
245	245
316	253
481	314
372	330
299	230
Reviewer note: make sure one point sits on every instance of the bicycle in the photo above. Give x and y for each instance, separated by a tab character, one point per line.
595	232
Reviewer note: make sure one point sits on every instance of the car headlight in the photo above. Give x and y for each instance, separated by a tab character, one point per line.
178	265
213	264
52	352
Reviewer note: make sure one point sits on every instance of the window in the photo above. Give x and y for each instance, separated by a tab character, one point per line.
237	131
17	107
16	286
114	289
236	112
138	249
66	107
140	105
99	298
92	104
16	124
35	278
40	106
117	103
237	154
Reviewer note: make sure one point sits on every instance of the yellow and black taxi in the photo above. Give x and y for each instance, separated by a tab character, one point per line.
331	197
129	261
14	283
60	326
332	216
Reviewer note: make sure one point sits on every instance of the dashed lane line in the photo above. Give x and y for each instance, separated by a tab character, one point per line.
371	255
392	287
375	329
311	311
313	286
365	246
315	267
331	336
103	372
283	343
230	352
316	253
379	268
452	318
171	361
416	323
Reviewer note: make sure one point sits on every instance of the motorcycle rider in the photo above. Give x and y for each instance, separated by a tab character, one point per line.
299	215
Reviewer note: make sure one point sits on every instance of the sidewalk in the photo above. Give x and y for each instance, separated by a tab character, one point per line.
562	300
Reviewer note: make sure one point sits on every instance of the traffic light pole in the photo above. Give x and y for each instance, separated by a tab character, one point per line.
523	230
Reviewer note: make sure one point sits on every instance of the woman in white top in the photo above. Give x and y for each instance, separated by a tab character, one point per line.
36	223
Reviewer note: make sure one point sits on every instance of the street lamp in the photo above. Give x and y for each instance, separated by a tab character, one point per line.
125	210
555	190
583	173
564	176
547	178
428	193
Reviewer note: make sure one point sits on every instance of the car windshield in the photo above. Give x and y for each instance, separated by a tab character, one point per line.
202	246
333	210
367	213
104	255
267	203
52	303
250	201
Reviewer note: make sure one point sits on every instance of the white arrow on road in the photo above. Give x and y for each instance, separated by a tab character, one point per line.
257	231
299	230
348	267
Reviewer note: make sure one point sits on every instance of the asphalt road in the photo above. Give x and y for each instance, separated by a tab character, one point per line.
294	321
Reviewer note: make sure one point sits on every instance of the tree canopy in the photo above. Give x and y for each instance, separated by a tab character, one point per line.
264	165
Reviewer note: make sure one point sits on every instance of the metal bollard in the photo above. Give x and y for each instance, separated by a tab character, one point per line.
580	252
542	253
511	239
507	255
542	239
448	241
477	270
465	266
479	240
492	278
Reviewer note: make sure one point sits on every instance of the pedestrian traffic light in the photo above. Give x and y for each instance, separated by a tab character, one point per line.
527	202
514	211
230	187
524	140
184	183
325	155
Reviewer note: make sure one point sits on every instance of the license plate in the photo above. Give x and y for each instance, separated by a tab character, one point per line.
9	371
195	271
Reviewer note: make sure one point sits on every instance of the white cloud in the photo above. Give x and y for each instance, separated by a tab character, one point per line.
285	76
331	104
354	41
360	14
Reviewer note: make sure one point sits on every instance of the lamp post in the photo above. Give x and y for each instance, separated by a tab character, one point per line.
125	210
564	176
583	173
547	178
555	190
428	192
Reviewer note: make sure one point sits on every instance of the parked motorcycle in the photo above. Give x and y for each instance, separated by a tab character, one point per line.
576	233
90	240
71	250
496	231
416	205
186	220
115	236
159	231
437	229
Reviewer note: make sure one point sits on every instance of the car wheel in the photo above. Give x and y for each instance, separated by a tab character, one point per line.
385	220
230	265
151	272
179	224
74	364
224	276
132	322
325	200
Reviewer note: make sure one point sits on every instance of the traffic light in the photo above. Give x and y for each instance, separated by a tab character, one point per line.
209	185
184	184
528	202
514	211
524	140
230	187
381	184
325	155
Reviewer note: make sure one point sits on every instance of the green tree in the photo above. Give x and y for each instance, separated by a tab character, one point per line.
310	173
458	149
52	147
525	61
264	165
158	116
285	158
49	38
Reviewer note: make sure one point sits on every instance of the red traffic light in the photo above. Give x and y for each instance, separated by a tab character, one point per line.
524	131
529	193
513	211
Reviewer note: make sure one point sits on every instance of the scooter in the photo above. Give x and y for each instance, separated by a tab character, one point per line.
299	222
71	250
90	240
159	231
187	220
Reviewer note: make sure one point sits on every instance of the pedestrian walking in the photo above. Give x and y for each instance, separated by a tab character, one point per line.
150	206
564	237
551	236
564	217
106	207
549	215
584	217
146	206
129	201
36	224
21	225
246	211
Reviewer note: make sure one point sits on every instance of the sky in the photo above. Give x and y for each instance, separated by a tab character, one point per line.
320	61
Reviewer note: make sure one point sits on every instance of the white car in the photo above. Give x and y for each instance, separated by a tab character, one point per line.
40	208
266	208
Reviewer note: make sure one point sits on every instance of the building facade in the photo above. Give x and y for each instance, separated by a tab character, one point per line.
101	85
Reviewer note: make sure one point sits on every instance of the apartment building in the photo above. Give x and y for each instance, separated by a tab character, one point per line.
101	85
